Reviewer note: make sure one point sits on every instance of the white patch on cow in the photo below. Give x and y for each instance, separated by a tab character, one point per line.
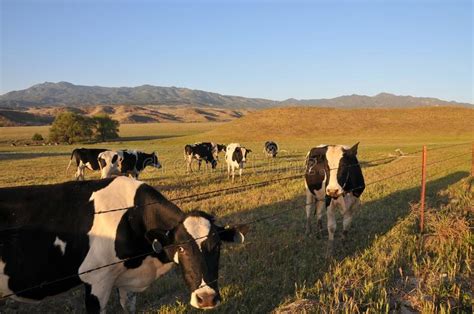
4	290
111	168
140	278
60	244
198	228
333	156
89	166
176	257
120	193
203	289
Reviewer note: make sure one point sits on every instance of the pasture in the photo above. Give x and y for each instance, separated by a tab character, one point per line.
277	263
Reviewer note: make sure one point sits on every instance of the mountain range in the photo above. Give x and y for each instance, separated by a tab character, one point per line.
67	94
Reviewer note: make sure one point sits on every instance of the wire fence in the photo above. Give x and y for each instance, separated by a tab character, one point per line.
236	189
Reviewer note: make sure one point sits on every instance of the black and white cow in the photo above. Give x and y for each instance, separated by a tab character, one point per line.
200	152
85	158
61	235
236	157
333	178
130	162
270	149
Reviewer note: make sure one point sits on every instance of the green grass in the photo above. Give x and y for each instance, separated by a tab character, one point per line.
277	261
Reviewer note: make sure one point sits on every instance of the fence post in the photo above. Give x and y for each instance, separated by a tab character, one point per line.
423	188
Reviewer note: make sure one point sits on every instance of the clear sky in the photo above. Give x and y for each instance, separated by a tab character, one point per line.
268	49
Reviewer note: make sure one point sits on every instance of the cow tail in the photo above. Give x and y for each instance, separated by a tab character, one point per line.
70	161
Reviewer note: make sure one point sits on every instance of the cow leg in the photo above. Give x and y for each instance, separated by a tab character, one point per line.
80	172
320	205
240	174
351	205
199	164
308	207
331	214
233	174
128	300
228	171
96	296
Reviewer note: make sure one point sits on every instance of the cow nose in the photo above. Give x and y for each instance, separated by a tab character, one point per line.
207	300
332	192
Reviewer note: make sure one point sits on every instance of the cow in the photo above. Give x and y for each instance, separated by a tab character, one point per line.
55	237
200	152
130	162
236	157
333	178
85	158
270	149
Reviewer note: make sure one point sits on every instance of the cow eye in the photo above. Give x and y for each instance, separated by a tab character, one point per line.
180	249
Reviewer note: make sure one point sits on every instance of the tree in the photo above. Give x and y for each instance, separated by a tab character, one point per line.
71	127
105	128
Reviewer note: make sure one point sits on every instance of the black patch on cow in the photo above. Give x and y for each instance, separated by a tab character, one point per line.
43	213
92	302
237	155
128	163
87	155
316	168
152	213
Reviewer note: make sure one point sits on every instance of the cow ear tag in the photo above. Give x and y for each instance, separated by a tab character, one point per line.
156	245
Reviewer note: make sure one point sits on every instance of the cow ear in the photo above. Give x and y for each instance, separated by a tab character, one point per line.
249	150
233	234
157	238
353	150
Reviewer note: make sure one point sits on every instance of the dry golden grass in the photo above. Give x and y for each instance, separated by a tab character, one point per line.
277	260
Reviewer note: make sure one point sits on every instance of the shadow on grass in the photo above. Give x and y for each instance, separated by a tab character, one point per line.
278	258
18	156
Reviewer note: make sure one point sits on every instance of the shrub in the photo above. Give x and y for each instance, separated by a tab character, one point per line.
37	137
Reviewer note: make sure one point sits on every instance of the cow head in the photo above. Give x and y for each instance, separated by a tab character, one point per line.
221	148
194	244
155	162
240	154
339	161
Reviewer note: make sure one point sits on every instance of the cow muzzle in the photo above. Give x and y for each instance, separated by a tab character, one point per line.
205	298
157	166
333	193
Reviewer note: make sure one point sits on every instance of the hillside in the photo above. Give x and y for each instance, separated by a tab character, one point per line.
328	123
122	113
67	94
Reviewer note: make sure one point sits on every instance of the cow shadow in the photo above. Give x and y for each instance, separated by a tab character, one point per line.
277	256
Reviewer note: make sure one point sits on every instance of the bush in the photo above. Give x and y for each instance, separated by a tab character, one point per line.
37	137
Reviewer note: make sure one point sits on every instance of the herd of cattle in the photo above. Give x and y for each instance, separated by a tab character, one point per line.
52	235
132	162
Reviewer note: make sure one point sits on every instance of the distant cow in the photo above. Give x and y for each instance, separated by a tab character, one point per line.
130	162
333	178
270	149
61	235
200	152
236	157
85	158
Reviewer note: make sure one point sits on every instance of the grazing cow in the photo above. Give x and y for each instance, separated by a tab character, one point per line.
129	162
85	158
270	149
236	157
61	234
333	178
200	152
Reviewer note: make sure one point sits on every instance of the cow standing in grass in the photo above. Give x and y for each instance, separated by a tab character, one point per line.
131	162
236	157
333	178
270	149
85	158
200	152
52	235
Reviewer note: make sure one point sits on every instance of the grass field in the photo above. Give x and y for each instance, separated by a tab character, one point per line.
278	263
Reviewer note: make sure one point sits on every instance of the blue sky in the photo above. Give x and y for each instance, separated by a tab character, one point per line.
268	49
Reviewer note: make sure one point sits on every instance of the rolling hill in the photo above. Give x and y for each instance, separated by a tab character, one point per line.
325	124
